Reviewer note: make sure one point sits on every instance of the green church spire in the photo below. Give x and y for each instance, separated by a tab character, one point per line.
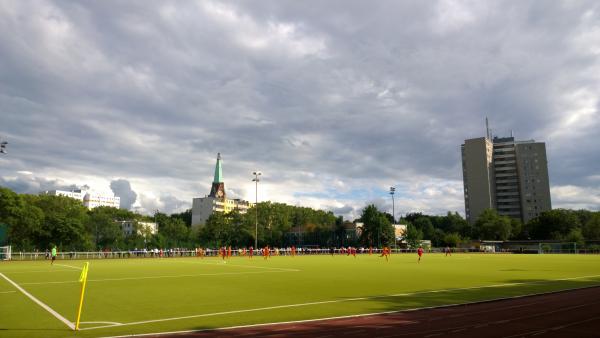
218	170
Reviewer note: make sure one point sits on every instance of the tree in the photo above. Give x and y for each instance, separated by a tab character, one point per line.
552	224
377	229
492	226
103	225
591	229
575	236
452	239
64	222
413	236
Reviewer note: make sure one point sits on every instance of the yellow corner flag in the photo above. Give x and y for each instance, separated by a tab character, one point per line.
83	280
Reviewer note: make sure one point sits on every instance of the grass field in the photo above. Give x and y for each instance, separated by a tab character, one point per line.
132	296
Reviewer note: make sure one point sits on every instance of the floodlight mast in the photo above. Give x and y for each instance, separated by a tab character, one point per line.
392	191
256	180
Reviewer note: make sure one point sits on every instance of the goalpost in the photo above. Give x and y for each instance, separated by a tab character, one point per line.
5	253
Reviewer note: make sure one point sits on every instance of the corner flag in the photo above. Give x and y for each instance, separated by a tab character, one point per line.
83	281
84	272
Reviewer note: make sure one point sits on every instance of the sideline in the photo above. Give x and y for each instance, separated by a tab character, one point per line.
38	302
347	300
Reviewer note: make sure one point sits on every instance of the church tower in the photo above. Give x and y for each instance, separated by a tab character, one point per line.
218	186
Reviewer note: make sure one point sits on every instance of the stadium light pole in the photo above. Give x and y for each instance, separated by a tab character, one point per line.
392	191
256	180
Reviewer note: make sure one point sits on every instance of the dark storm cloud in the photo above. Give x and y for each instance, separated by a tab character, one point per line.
122	189
371	94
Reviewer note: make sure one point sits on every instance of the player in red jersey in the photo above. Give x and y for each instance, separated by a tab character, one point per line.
251	251
420	253
370	250
385	252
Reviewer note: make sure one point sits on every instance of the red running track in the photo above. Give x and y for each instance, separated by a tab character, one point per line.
573	313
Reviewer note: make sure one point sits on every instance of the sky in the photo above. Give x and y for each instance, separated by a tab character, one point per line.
333	101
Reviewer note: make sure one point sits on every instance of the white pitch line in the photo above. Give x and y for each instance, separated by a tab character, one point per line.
36	271
69	266
155	277
38	302
115	323
7	291
237	265
336	301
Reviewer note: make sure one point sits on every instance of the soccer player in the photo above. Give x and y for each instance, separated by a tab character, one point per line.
229	252
53	255
448	252
385	252
420	253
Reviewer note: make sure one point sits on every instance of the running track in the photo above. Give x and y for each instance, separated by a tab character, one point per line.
562	314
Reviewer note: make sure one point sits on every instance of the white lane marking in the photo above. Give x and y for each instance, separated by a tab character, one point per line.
7	291
38	302
237	265
348	300
156	277
115	323
69	266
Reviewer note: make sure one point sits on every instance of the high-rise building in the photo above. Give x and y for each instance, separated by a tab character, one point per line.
507	175
217	200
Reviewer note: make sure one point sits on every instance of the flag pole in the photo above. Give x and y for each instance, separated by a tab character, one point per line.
83	280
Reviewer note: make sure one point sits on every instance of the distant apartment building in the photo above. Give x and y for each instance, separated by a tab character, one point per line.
89	198
216	201
507	175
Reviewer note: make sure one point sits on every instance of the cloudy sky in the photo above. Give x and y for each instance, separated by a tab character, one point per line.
334	101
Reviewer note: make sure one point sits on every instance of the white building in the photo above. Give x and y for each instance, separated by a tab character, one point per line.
90	199
143	228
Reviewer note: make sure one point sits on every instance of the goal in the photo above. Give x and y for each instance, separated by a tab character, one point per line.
5	253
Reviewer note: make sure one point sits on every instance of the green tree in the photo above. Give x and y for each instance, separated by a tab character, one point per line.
492	226
377	229
591	229
64	222
105	229
413	236
552	224
452	239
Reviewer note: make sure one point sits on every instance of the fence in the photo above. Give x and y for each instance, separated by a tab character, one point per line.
75	255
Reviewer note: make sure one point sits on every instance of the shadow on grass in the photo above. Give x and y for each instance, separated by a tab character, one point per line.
514	288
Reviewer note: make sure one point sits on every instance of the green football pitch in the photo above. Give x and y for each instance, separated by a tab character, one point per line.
134	296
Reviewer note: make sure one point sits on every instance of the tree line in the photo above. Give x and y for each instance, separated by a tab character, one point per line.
37	222
579	226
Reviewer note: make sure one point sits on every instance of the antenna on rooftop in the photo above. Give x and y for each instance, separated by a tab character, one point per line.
487	128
